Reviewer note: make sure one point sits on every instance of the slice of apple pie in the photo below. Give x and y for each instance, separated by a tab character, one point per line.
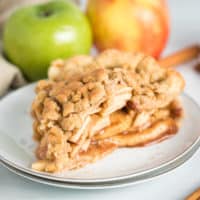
92	105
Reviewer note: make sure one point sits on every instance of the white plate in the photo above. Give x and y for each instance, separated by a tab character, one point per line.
102	185
108	184
17	146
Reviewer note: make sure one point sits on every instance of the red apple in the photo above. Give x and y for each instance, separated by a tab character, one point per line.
130	25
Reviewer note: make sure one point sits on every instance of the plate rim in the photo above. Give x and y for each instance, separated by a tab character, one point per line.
93	180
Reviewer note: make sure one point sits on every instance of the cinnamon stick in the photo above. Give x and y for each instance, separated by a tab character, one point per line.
194	196
180	57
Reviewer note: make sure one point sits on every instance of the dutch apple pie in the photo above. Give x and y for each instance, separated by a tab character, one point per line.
91	106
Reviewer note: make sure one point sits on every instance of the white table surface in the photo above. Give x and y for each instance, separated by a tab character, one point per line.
185	30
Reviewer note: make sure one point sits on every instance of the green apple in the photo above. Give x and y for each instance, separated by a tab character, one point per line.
35	35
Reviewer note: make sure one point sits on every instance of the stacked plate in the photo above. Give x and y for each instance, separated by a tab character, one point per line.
121	168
